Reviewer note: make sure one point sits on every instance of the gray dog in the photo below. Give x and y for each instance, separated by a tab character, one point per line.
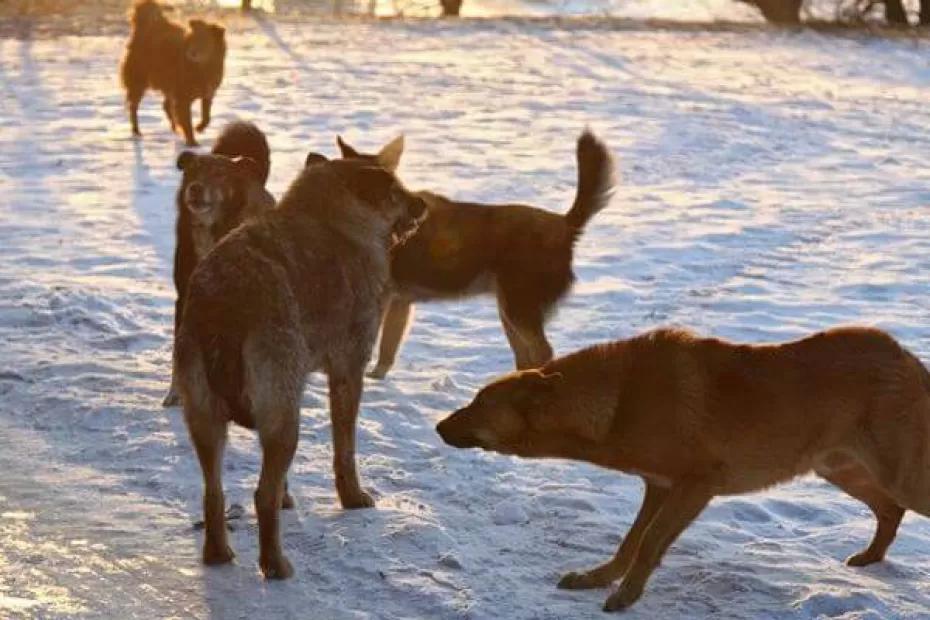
295	290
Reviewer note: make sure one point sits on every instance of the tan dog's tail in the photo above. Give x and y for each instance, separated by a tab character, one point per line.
595	180
245	139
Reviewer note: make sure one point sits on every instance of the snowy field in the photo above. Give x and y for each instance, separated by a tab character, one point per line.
771	183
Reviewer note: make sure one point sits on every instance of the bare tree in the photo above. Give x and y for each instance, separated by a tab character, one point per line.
451	8
246	5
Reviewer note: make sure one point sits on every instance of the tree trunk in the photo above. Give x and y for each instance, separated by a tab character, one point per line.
451	8
780	11
895	13
246	5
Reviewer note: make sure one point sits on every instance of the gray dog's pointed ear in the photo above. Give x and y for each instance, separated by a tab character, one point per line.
370	183
389	156
185	159
314	158
347	151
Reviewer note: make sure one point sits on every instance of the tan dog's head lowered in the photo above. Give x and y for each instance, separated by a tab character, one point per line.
509	416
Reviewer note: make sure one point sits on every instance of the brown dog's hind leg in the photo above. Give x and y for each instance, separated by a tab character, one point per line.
279	442
166	106
182	115
393	327
617	566
858	482
682	505
206	104
521	353
209	438
287	502
345	391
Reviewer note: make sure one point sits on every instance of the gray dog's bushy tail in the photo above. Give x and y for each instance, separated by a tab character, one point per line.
245	139
596	179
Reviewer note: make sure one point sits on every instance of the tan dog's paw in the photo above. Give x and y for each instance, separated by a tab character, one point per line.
580	581
377	373
287	502
217	554
172	399
863	559
276	567
625	596
357	500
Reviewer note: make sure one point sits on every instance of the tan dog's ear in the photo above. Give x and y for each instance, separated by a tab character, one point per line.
389	156
347	151
185	159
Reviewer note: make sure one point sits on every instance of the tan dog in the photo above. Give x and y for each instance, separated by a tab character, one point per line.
520	254
293	290
700	417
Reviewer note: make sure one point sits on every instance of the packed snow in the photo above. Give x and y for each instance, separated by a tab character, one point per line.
772	183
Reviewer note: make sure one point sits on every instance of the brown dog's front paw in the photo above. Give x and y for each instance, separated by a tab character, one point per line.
580	581
217	554
276	567
863	559
361	499
201	127
625	596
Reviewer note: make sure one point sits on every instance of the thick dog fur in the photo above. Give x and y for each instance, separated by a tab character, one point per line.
183	64
521	254
698	417
217	193
297	289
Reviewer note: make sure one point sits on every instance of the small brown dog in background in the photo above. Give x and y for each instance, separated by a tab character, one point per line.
218	192
520	254
700	417
183	64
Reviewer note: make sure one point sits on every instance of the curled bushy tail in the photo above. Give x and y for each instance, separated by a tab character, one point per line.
145	13
244	139
595	180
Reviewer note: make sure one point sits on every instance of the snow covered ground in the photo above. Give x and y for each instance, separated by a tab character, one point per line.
772	183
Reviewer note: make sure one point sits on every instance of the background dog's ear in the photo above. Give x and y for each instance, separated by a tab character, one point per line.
370	183
314	158
347	151
249	167
185	159
218	31
197	24
389	156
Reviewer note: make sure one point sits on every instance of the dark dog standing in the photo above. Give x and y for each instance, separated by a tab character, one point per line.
521	254
297	289
217	193
184	65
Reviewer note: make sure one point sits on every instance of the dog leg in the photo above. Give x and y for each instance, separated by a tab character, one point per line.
134	98
681	506
540	351
208	435
393	327
345	391
205	106
166	106
182	114
617	566
857	482
521	354
279	442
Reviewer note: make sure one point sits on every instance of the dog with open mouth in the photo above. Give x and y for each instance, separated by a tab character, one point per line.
218	192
